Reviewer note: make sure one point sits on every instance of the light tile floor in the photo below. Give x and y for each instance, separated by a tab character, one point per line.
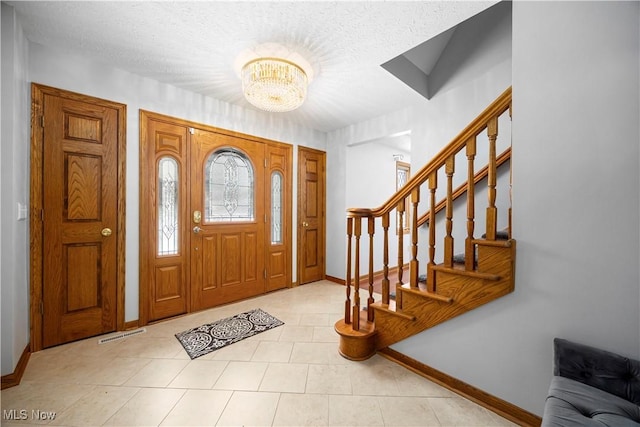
289	376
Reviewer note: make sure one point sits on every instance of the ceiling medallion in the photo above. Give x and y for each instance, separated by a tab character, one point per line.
274	78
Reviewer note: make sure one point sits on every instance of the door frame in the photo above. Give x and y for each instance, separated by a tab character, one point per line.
323	207
36	210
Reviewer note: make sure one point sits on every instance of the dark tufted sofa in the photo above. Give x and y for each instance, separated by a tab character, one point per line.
592	387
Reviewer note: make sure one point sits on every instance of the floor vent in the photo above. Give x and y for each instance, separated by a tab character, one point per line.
121	335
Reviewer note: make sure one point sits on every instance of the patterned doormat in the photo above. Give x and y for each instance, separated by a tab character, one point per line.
213	336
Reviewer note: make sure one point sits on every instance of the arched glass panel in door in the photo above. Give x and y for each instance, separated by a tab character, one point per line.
228	187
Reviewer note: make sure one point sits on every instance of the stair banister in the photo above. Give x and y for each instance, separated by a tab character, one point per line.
409	195
385	259
433	186
371	228
462	188
469	247
500	105
492	211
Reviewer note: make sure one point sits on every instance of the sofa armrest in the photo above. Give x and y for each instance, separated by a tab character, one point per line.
598	368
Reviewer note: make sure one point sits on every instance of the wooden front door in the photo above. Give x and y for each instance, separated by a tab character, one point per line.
79	219
228	219
311	215
215	209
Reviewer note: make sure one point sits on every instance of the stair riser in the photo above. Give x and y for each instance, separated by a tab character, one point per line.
496	260
467	293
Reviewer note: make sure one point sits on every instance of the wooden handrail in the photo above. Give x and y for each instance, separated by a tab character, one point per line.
445	160
459	191
499	106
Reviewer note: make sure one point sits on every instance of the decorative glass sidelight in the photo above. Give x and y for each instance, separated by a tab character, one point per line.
228	187
168	206
276	208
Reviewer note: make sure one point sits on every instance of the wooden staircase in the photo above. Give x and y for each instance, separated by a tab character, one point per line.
451	288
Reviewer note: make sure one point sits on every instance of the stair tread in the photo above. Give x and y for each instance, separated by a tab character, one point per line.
426	294
499	243
391	308
460	269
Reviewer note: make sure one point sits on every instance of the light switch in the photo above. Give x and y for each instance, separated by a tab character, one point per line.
22	211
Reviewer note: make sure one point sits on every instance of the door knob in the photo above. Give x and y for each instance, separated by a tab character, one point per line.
305	224
197	229
106	232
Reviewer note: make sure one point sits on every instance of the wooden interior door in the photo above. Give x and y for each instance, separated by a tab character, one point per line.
80	182
311	215
227	218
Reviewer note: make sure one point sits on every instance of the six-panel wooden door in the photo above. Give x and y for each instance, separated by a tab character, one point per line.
80	217
311	216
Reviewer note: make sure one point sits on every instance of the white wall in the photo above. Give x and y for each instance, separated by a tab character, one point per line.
343	183
24	62
14	189
576	162
74	73
370	182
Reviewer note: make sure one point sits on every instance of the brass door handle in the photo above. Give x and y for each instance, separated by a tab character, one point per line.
305	224
106	232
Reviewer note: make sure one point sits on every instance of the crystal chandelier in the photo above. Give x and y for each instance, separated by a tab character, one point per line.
274	84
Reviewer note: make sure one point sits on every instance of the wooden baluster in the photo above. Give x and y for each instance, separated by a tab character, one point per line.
400	227
385	259
431	274
510	183
469	247
448	239
492	211
414	265
347	303
355	316
371	224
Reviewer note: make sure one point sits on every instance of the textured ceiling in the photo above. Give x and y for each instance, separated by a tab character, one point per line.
193	45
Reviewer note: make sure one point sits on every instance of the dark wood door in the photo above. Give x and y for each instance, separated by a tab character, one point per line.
227	219
80	202
311	215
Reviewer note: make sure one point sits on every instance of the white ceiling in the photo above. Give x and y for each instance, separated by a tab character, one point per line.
193	45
